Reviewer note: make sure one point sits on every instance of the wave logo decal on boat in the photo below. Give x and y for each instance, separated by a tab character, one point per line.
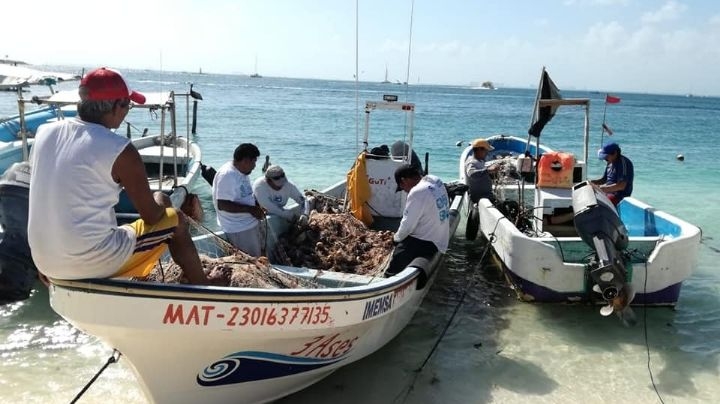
249	366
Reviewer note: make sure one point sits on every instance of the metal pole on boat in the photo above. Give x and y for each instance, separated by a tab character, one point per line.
587	136
23	129
173	125
162	146
195	96
187	115
194	120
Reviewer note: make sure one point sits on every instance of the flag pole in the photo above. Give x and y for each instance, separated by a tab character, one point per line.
602	127
538	94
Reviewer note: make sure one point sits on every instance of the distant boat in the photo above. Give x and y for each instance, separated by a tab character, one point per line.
386	81
13	77
256	75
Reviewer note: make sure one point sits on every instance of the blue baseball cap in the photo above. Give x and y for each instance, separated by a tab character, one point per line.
609	148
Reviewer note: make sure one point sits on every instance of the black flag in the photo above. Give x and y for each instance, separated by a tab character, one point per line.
543	115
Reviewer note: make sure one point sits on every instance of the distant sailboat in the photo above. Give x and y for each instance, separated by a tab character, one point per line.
256	75
386	81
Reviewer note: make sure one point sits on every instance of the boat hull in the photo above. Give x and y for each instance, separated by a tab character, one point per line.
661	247
191	344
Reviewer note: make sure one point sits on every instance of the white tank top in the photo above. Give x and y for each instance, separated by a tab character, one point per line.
72	229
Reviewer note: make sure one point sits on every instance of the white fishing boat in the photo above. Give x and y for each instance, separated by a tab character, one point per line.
192	344
559	240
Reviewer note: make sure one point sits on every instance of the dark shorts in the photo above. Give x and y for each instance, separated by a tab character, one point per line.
406	251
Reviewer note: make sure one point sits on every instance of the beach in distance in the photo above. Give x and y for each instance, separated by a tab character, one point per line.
494	348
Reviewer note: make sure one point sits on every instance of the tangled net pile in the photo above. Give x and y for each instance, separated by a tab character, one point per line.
334	240
329	239
236	270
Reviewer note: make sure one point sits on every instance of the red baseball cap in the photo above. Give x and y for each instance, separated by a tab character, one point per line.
105	84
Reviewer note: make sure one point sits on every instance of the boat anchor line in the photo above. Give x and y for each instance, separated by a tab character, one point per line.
469	285
114	357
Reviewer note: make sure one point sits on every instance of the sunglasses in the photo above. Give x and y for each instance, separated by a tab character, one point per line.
279	177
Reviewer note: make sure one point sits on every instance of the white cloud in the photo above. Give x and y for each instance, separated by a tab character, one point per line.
669	11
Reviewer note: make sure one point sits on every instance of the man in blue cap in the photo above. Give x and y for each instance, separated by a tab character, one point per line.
617	181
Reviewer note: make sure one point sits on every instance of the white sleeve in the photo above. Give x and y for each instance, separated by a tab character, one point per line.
263	195
411	216
295	194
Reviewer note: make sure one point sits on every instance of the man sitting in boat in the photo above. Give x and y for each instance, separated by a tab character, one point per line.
273	191
425	226
79	167
617	181
478	175
238	212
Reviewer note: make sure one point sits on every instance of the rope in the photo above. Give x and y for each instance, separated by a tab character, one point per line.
469	285
645	328
112	359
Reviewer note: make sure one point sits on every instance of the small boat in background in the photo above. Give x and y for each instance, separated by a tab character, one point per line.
255	74
172	163
171	160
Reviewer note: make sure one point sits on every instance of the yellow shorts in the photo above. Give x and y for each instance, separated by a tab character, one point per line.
151	243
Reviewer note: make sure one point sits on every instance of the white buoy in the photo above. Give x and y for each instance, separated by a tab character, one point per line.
459	143
680	157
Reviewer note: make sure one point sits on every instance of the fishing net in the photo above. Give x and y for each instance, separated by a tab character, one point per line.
221	260
329	239
332	239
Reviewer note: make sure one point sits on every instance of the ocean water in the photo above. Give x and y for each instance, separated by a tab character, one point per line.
494	348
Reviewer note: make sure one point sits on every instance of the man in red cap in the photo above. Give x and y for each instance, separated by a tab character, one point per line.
79	167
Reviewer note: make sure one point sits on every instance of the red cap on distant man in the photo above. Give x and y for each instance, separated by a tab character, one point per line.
105	84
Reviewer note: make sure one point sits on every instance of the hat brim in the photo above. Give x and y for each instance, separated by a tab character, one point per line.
398	189
137	98
488	148
602	155
279	182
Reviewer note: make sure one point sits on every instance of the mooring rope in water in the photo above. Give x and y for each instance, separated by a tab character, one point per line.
419	370
645	326
112	359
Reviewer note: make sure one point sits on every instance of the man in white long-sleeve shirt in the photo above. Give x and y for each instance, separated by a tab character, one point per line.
273	191
425	225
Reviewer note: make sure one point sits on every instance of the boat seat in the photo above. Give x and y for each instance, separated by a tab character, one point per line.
384	201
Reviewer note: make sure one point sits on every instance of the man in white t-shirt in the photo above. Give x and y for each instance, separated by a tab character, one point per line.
79	167
273	191
238	213
425	226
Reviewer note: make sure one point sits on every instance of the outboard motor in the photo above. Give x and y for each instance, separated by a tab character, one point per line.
598	224
17	269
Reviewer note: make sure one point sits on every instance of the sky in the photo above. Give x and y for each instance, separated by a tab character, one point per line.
645	46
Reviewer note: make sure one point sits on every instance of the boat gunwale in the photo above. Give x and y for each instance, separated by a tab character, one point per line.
122	287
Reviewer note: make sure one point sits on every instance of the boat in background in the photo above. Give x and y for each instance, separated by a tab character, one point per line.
386	81
255	74
558	239
192	344
170	160
172	163
14	77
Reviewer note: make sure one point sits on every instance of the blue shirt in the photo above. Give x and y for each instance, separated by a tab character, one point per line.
618	171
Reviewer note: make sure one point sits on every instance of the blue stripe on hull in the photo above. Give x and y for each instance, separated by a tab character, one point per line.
665	297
